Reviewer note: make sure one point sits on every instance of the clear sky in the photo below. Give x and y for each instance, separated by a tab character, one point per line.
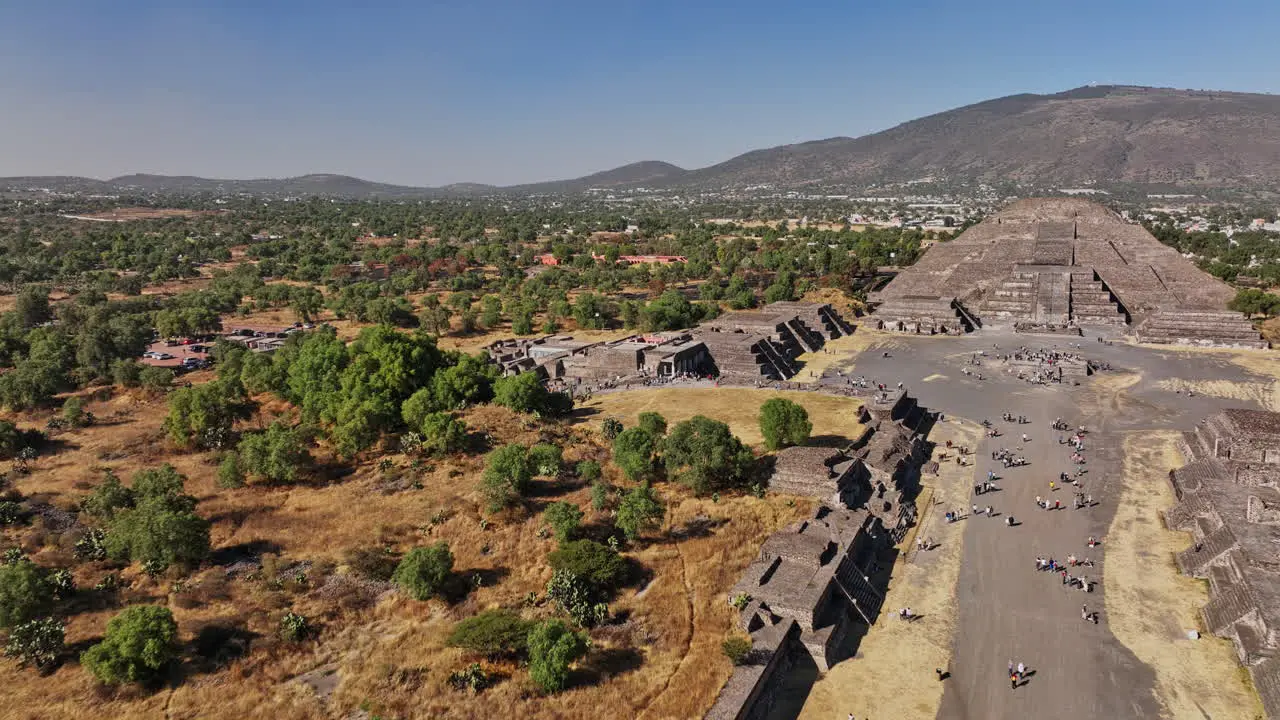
507	91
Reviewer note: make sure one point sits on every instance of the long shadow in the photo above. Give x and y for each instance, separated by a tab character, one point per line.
604	664
793	687
217	645
243	552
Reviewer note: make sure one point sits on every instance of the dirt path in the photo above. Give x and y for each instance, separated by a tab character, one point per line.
1151	605
893	673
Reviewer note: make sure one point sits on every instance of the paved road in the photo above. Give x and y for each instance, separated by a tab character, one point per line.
1007	609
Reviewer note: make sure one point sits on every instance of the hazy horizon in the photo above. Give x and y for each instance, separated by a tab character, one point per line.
502	93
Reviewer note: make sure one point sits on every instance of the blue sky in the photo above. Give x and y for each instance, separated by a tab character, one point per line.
504	91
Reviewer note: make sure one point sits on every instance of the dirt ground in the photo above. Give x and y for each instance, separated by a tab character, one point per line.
1150	605
837	353
836	417
893	673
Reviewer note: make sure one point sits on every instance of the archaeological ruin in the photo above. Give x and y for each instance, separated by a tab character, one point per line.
1229	501
1059	263
817	580
744	346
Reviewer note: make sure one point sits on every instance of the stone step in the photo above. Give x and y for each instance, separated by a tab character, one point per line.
1226	608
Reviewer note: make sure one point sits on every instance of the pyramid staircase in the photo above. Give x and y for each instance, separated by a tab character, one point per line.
1092	302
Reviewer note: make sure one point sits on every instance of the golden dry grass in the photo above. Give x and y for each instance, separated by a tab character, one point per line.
665	662
1150	605
892	675
739	408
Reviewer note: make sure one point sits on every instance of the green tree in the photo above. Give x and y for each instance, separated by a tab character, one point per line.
202	416
639	510
653	423
493	633
592	312
635	452
704	455
423	571
783	422
73	412
442	433
597	564
506	476
275	454
610	428
565	518
553	648
24	593
139	643
162	529
523	393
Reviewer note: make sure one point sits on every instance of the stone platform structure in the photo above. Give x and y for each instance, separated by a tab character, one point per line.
1062	262
817	579
1229	501
745	346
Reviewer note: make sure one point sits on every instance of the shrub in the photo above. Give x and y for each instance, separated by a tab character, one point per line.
91	545
783	422
11	513
564	518
598	564
545	459
36	642
653	423
155	379
138	644
601	494
109	497
578	598
634	450
736	648
126	373
230	474
294	627
553	647
588	470
24	593
638	511
472	677
424	570
610	428
73	412
492	633
442	433
506	476
62	582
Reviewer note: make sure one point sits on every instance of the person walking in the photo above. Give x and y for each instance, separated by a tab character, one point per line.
1013	682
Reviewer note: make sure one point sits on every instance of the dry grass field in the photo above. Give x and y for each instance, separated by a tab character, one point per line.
739	408
376	649
1150	605
892	675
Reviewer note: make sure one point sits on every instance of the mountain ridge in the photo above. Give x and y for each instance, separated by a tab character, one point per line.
1085	135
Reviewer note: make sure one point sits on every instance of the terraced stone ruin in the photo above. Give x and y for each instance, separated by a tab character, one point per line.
816	580
744	346
1057	263
1228	500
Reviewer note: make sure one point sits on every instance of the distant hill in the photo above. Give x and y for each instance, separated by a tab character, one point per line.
1105	134
1091	134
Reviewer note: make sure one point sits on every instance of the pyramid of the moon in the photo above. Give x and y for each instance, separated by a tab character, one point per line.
1062	263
